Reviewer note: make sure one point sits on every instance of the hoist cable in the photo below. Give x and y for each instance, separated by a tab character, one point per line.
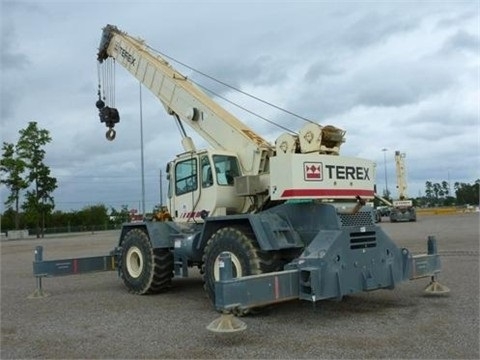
106	77
113	82
243	108
232	87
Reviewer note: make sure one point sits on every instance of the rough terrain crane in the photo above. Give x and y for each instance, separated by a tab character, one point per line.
402	207
263	223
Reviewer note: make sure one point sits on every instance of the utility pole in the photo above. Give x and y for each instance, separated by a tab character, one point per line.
385	166
141	152
449	190
161	191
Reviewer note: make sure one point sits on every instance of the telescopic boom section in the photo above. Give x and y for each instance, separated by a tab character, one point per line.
401	175
184	99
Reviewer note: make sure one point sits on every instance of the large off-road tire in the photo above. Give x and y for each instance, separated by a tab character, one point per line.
247	258
144	270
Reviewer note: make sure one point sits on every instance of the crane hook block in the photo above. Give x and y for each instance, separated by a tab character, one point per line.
110	134
110	117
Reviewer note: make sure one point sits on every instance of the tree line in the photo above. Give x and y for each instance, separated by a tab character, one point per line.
439	194
27	177
30	202
89	218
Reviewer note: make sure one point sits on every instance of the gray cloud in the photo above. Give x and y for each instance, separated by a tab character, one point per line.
374	27
397	75
462	41
11	57
402	83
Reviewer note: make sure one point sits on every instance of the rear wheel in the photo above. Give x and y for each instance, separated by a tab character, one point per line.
144	270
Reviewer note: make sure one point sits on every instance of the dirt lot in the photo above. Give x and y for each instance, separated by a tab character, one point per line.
92	316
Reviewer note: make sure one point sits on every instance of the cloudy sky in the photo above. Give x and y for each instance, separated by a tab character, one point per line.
400	75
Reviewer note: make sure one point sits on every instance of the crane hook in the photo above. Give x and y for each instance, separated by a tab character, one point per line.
110	134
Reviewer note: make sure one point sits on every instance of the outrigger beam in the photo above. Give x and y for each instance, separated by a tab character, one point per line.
64	267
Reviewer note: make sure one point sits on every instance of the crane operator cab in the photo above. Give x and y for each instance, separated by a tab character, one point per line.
201	184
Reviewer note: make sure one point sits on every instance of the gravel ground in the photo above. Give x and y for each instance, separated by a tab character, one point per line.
93	316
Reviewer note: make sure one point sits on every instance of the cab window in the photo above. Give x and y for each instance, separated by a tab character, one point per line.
186	176
226	168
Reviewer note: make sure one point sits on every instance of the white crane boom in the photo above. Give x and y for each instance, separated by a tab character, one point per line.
243	172
184	99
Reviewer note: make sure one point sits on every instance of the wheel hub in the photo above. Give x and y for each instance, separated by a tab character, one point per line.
134	262
236	266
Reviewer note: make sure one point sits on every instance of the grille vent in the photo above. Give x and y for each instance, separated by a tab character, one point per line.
363	240
362	218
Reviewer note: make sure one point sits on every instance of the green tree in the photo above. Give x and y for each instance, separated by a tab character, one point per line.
446	188
95	216
124	213
119	217
437	192
429	191
13	167
8	219
467	193
39	199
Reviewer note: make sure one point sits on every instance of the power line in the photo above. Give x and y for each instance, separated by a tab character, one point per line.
105	176
235	89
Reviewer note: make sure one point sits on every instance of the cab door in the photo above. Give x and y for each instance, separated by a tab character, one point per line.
184	188
202	185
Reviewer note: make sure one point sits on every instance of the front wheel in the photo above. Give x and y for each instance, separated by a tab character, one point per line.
144	270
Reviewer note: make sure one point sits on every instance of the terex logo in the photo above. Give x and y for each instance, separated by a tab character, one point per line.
312	171
347	172
125	54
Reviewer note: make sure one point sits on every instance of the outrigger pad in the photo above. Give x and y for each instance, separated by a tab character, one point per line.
227	323
435	288
37	294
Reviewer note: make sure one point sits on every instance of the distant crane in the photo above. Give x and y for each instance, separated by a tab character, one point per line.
403	209
401	175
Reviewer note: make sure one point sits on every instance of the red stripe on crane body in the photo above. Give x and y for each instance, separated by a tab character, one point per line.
326	192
